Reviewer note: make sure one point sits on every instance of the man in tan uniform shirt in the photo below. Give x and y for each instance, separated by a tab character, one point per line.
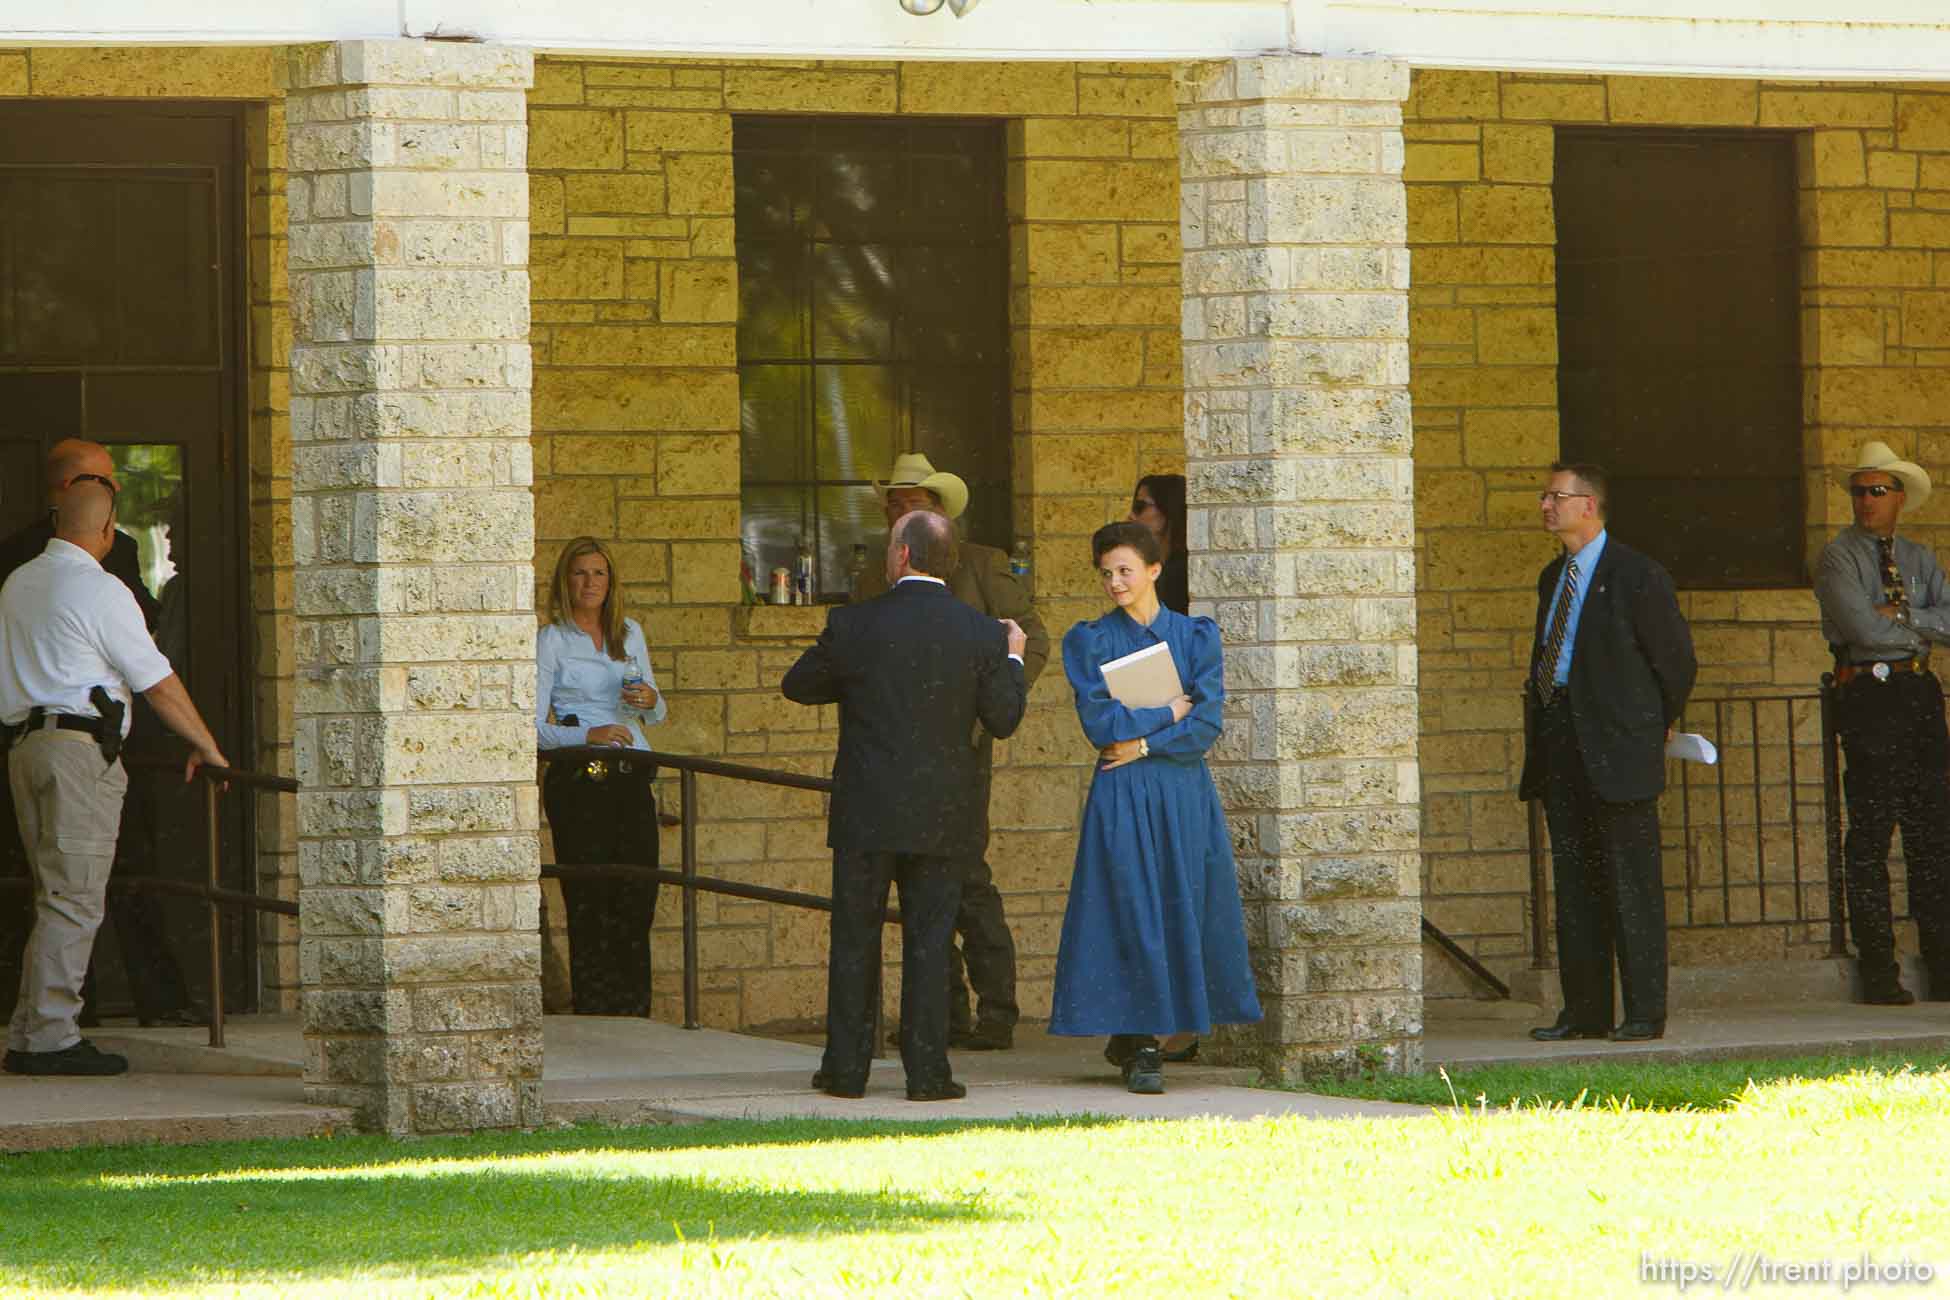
983	581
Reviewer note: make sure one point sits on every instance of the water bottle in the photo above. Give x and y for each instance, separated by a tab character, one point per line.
802	576
1019	562
856	572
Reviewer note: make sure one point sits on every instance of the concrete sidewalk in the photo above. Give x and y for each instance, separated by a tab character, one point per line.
612	1070
1498	1033
640	1071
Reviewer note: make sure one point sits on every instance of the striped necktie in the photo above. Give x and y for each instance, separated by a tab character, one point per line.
1554	640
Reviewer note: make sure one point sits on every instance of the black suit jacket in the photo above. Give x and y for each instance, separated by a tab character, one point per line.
912	670
1632	667
124	561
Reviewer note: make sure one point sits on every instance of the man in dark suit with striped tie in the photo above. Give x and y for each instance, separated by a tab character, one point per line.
1611	666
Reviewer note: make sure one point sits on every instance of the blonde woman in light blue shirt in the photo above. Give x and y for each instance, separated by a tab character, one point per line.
594	686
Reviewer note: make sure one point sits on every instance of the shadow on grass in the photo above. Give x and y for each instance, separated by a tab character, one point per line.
318	1208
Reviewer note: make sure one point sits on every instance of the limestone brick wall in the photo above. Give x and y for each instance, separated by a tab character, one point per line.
1875	222
233	73
636	438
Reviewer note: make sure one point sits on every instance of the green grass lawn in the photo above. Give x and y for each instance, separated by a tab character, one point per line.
1675	1085
1543	1201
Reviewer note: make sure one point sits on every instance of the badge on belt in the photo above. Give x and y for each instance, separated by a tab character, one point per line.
1880	671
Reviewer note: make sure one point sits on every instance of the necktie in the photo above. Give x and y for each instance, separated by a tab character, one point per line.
1893	591
1554	640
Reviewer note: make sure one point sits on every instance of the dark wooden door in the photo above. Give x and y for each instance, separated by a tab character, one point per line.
120	275
1679	344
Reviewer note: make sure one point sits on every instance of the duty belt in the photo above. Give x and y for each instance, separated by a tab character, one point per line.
1881	669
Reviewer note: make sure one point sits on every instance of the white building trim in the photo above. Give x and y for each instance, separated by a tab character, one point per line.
1785	39
1824	40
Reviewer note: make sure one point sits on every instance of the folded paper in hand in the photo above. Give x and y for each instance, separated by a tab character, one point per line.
1692	747
1144	679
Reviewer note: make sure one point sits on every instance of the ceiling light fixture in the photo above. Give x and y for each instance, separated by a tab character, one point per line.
922	8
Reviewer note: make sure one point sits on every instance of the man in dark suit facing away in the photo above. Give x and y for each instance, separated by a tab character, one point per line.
912	670
1611	666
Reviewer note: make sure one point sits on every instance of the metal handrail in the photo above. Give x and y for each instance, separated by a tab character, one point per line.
1831	821
689	767
215	780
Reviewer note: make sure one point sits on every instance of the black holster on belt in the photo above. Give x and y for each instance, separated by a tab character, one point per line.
111	710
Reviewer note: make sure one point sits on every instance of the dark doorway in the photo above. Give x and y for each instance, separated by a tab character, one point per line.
121	256
1679	366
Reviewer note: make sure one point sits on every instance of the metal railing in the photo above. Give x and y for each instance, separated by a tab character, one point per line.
1764	771
688	768
212	890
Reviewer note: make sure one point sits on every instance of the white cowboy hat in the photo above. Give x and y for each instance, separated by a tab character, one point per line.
912	470
1877	456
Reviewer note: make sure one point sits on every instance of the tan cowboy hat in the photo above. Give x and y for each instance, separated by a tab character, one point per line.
1877	456
913	470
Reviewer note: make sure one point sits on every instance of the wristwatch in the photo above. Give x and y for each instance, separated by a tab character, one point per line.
1144	747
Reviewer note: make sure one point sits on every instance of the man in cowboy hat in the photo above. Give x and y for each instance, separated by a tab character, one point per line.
1611	666
1883	600
982	579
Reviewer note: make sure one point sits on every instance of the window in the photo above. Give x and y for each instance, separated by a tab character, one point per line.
1678	326
872	320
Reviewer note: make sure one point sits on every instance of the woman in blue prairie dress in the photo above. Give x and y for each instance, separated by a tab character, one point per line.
1154	942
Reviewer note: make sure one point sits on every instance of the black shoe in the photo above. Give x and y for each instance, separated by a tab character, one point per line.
1145	1074
1183	1056
1564	1029
947	1090
84	1058
180	1018
1639	1031
824	1082
1122	1047
986	1038
1894	995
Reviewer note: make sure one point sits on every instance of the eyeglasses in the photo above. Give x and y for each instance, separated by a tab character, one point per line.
102	479
1547	496
1876	490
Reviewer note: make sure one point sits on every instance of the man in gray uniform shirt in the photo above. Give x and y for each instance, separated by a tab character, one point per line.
1883	600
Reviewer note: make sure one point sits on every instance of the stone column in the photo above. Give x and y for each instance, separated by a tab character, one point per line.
413	535
1297	444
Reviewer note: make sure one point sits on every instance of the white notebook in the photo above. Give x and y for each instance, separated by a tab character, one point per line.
1144	679
1692	747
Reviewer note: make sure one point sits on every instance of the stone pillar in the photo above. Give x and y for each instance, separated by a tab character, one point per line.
413	535
1297	444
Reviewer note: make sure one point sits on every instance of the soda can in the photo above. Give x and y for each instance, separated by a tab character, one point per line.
781	586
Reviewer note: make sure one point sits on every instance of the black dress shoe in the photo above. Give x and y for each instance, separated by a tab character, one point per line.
1564	1029
84	1058
947	1090
824	1082
1894	995
986	1038
1639	1031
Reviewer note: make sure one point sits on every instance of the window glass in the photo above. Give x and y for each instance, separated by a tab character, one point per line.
1679	344
873	282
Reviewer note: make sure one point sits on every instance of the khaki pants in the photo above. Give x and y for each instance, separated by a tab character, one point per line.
69	804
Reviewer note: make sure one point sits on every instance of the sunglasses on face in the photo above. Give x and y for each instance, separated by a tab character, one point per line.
1141	504
102	479
1876	490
